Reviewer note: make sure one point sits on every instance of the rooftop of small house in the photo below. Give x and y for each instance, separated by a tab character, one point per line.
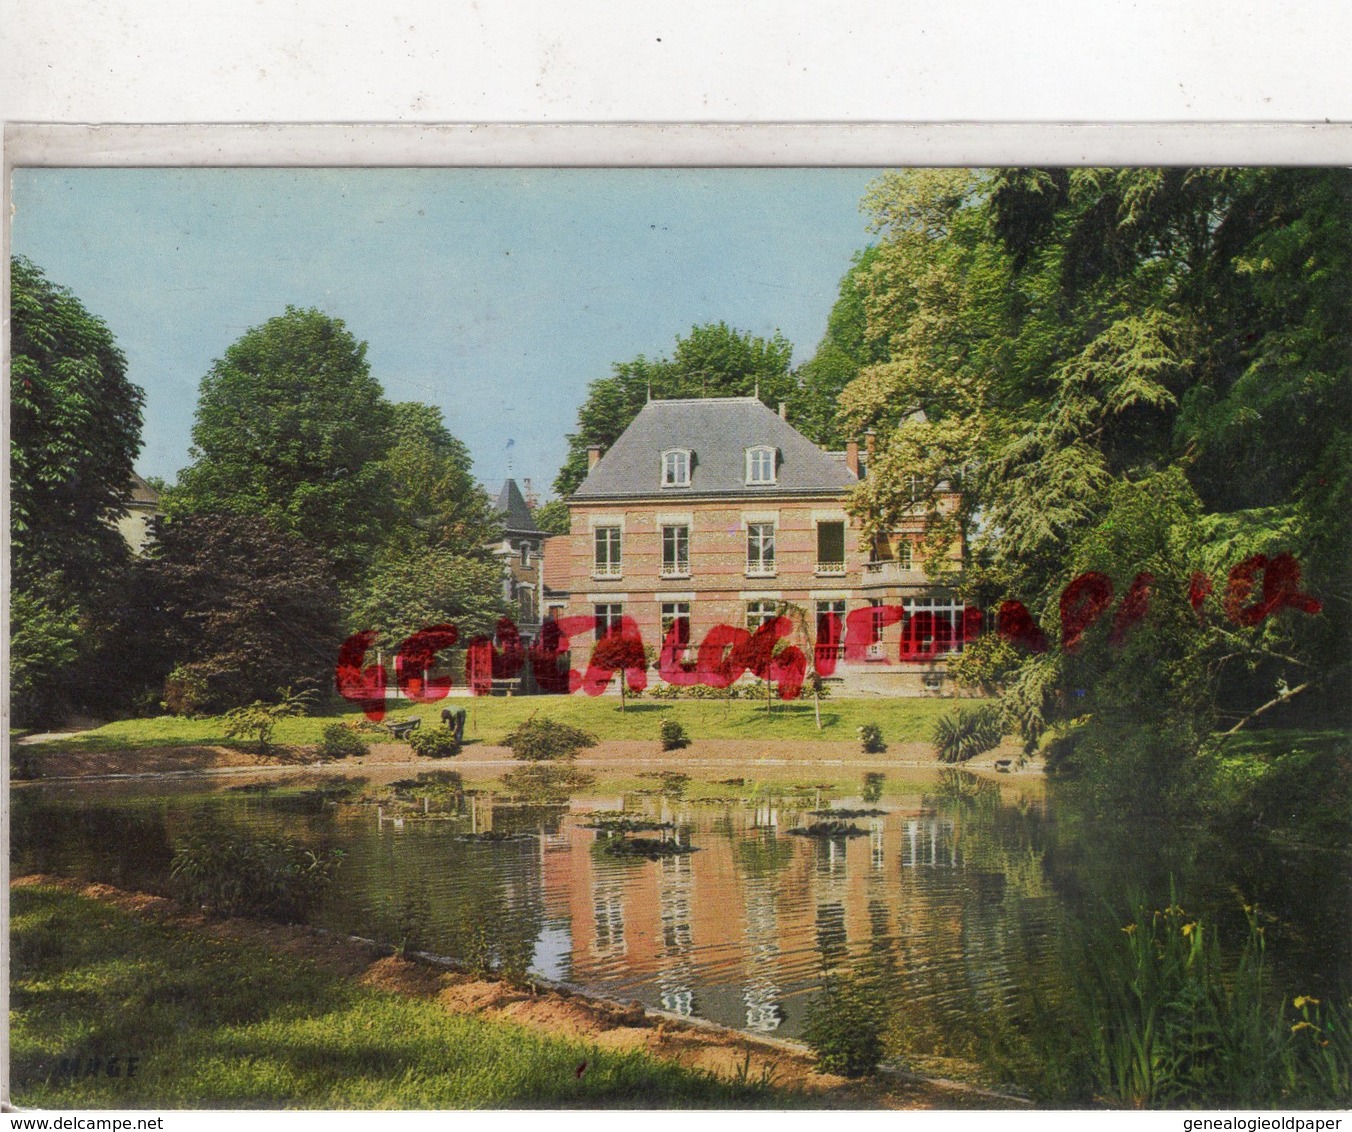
735	447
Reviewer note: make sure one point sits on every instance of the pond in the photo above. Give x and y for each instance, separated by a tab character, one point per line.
966	889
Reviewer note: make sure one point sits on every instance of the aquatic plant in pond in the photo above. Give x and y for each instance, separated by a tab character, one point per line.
239	875
1156	1018
845	1024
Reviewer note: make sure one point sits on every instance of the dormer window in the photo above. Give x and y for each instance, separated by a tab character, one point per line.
676	467
760	465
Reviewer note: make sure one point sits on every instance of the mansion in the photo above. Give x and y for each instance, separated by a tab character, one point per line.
717	511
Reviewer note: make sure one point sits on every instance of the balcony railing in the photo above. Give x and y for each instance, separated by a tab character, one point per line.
891	571
760	570
831	569
606	570
675	570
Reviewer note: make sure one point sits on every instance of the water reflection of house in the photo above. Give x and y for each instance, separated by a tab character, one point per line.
730	931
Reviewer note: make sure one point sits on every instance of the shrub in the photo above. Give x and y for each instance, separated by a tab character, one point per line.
871	739
272	879
844	1026
673	736
185	691
434	743
966	733
541	740
339	741
259	719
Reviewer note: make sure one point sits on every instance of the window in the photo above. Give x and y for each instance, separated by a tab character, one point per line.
675	551
607	618
760	465
676	613
525	554
676	468
831	628
760	548
933	627
831	548
905	554
607	544
759	613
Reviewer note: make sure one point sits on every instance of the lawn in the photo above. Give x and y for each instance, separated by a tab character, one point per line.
216	1023
490	718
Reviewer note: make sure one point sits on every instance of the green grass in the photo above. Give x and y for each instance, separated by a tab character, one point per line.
490	718
221	1024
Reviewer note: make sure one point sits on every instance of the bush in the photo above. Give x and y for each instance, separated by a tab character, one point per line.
259	719
673	736
434	743
542	740
339	741
185	691
844	1026
966	733
871	739
242	876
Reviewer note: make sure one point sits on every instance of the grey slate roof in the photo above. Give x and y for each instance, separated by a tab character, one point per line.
718	430
511	504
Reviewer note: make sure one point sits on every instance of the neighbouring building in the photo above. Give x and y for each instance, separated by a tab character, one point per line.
521	552
142	509
717	511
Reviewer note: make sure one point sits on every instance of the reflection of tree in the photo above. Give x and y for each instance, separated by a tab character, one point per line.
873	786
763	854
546	783
831	938
115	844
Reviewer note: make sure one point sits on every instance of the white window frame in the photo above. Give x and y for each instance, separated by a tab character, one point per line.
680	566
612	537
760	565
683	465
614	611
666	619
757	459
760	612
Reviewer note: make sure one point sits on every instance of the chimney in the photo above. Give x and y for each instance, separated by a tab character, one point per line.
869	438
593	455
783	410
852	457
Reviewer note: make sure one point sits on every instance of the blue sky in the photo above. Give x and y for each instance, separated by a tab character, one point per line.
494	294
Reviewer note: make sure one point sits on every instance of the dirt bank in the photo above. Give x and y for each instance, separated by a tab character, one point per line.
557	1011
719	753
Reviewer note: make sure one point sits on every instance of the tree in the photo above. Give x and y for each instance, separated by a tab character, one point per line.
248	609
713	360
291	426
843	351
437	502
430	587
553	517
621	654
1140	374
75	429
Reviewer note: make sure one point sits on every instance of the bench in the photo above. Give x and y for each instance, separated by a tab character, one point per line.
400	728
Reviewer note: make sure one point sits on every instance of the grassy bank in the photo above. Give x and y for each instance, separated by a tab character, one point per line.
218	1023
490	718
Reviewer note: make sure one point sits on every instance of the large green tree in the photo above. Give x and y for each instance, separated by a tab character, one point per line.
713	360
291	426
246	609
75	430
1126	370
437	501
844	350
